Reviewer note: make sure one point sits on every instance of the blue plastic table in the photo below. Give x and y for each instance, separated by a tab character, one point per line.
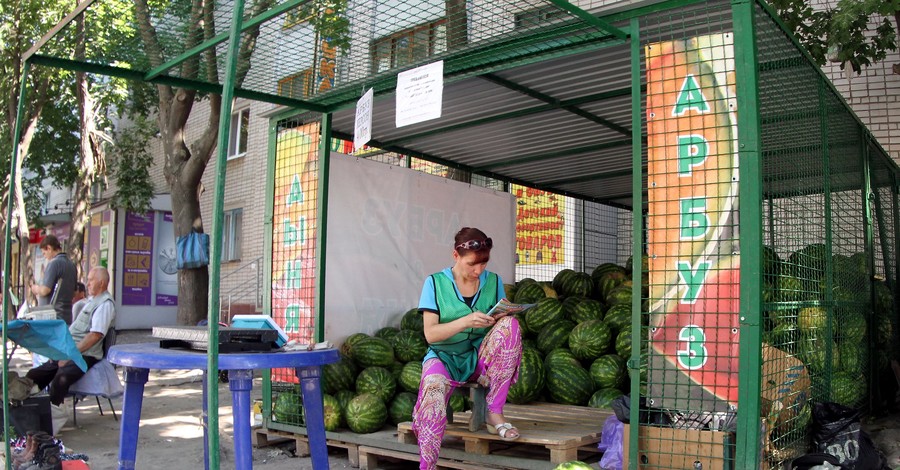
138	359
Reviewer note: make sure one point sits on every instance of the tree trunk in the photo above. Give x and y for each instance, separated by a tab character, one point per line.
193	284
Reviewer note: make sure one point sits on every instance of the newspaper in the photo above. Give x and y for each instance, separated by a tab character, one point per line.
506	307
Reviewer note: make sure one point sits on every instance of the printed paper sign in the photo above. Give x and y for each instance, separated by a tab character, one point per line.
420	93
362	129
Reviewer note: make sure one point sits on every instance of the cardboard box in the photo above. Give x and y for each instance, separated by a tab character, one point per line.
667	448
784	385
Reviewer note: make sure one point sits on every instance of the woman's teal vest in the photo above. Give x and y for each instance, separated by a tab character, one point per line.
459	353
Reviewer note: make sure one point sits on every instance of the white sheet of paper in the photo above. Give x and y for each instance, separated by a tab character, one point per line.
362	129
420	94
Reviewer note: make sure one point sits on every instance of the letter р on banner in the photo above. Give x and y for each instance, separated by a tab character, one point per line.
692	224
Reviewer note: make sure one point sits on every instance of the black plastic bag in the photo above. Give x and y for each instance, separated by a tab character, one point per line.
836	431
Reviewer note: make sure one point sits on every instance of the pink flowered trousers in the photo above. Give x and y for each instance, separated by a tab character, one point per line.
497	368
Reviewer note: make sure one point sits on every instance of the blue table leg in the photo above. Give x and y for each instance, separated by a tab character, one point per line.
135	378
204	418
240	381
315	415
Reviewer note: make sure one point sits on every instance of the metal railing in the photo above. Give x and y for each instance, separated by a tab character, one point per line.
247	291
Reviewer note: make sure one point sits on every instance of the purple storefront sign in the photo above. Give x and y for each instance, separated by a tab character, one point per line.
137	272
166	273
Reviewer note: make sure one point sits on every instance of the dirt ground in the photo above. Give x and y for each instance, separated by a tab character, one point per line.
171	436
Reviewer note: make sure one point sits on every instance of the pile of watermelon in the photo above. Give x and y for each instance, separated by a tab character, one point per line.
828	325
375	382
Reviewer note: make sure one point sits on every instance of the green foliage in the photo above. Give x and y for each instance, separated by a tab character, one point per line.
841	34
329	19
129	164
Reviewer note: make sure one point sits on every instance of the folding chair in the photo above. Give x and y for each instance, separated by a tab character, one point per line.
99	381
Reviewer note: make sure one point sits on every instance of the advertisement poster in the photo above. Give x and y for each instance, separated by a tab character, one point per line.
165	273
294	236
692	224
138	251
540	226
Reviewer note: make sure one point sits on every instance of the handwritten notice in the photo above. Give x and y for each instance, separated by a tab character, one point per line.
420	94
362	129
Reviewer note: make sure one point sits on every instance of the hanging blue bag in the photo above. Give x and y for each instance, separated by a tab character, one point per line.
193	250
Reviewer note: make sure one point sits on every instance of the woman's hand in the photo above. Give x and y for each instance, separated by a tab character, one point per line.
480	320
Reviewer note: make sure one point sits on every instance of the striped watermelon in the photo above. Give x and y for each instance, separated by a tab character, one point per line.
604	268
334	417
604	397
608	282
510	290
372	351
409	345
561	278
411	376
288	407
569	384
609	371
343	397
378	381
532	378
621	295
586	309
338	376
623	342
396	368
545	312
529	293
401	408
347	347
555	335
366	413
578	284
457	403
560	356
387	332
412	320
618	316
573	465
528	342
590	339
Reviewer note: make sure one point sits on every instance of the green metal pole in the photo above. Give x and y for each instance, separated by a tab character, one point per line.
829	273
750	201
268	233
868	234
212	375
7	250
637	215
322	226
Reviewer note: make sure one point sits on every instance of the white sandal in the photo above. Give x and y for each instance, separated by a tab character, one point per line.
502	430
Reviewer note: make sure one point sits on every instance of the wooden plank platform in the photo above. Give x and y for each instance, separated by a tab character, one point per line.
562	429
272	436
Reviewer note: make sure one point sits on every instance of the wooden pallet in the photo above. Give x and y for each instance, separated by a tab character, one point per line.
263	437
369	456
562	429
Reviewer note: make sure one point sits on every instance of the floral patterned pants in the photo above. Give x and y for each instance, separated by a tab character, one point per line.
498	366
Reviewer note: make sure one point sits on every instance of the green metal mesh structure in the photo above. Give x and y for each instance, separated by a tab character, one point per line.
687	183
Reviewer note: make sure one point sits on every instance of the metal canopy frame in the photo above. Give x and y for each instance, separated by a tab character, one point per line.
494	87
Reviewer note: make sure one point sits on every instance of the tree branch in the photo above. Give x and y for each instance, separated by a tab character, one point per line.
151	44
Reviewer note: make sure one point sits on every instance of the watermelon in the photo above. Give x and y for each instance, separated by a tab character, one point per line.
347	347
334	417
409	345
457	403
770	262
372	351
387	332
532	378
401	407
287	407
573	465
569	384
396	368
789	289
603	398
609	371
509	290
848	389
343	397
852	356
621	295
579	284
590	339
884	299
561	278
366	413
530	293
586	309
623	342
560	356
378	381
555	335
338	376
618	317
812	318
884	329
549	291
528	342
604	268
808	263
852	327
814	352
545	312
784	336
411	376
412	320
608	282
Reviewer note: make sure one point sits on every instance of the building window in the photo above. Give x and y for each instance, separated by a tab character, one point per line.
538	17
231	235
409	46
297	85
240	129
